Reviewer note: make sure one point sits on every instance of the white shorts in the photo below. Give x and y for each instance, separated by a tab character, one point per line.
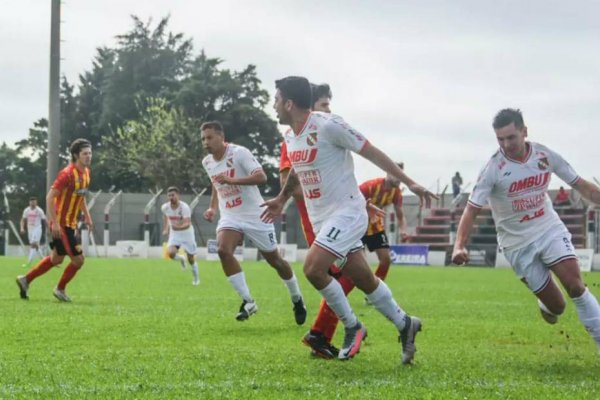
533	261
185	239
261	234
34	234
341	233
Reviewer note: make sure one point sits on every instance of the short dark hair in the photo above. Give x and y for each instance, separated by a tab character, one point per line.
296	89
319	91
508	116
172	189
214	125
32	198
76	146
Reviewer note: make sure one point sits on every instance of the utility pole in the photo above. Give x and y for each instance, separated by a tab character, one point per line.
54	103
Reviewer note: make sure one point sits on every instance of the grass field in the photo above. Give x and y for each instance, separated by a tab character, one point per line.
139	329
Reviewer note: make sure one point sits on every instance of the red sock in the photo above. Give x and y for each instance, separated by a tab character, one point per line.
40	269
66	277
382	271
326	319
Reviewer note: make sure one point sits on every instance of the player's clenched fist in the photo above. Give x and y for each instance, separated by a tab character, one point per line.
460	256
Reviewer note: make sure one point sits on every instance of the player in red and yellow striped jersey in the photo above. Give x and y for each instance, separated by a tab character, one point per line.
383	192
65	201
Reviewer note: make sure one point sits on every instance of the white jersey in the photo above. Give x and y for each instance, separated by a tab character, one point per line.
34	217
235	200
517	194
321	157
175	216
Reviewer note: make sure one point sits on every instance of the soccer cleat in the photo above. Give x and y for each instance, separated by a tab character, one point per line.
61	295
320	346
407	338
196	281
352	340
246	310
23	287
299	311
549	318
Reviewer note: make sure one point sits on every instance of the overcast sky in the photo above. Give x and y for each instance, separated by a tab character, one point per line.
421	79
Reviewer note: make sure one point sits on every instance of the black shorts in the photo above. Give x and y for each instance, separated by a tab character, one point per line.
67	244
376	241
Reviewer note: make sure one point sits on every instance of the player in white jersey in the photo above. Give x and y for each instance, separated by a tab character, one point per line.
33	218
177	223
235	174
531	235
319	147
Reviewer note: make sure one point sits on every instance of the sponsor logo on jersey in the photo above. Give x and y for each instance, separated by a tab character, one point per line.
311	139
302	157
310	177
529	203
229	173
543	163
531	182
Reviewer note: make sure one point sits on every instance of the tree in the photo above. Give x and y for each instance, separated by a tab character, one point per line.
162	148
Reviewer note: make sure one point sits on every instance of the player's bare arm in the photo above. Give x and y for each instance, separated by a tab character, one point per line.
381	160
402	224
257	178
209	214
165	230
283	176
460	255
52	223
274	207
23	225
588	190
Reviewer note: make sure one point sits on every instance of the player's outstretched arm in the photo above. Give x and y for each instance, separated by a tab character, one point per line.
380	159
274	207
588	190
460	255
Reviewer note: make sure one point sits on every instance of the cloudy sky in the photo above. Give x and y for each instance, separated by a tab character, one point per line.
421	79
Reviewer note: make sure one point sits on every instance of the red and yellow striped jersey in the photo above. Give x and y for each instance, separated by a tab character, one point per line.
380	196
73	185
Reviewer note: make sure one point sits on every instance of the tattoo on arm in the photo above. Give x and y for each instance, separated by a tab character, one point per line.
291	184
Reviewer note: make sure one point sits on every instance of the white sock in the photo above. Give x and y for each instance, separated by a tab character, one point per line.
195	271
293	288
32	252
337	300
238	281
382	300
588	311
179	258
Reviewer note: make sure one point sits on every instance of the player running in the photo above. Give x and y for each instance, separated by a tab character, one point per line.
235	174
177	223
319	148
65	200
33	218
531	235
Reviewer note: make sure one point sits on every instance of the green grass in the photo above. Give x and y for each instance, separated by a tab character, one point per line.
139	329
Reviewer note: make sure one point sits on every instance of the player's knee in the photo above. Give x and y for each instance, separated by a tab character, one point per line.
312	272
78	262
575	288
224	253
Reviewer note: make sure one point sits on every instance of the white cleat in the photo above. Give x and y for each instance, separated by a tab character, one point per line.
23	287
61	295
196	282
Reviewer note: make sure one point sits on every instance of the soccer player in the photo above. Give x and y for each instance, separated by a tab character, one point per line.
65	200
323	328
34	217
235	174
531	235
177	223
319	148
383	192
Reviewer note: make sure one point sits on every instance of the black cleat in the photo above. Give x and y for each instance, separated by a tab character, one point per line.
319	346
246	310
299	311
